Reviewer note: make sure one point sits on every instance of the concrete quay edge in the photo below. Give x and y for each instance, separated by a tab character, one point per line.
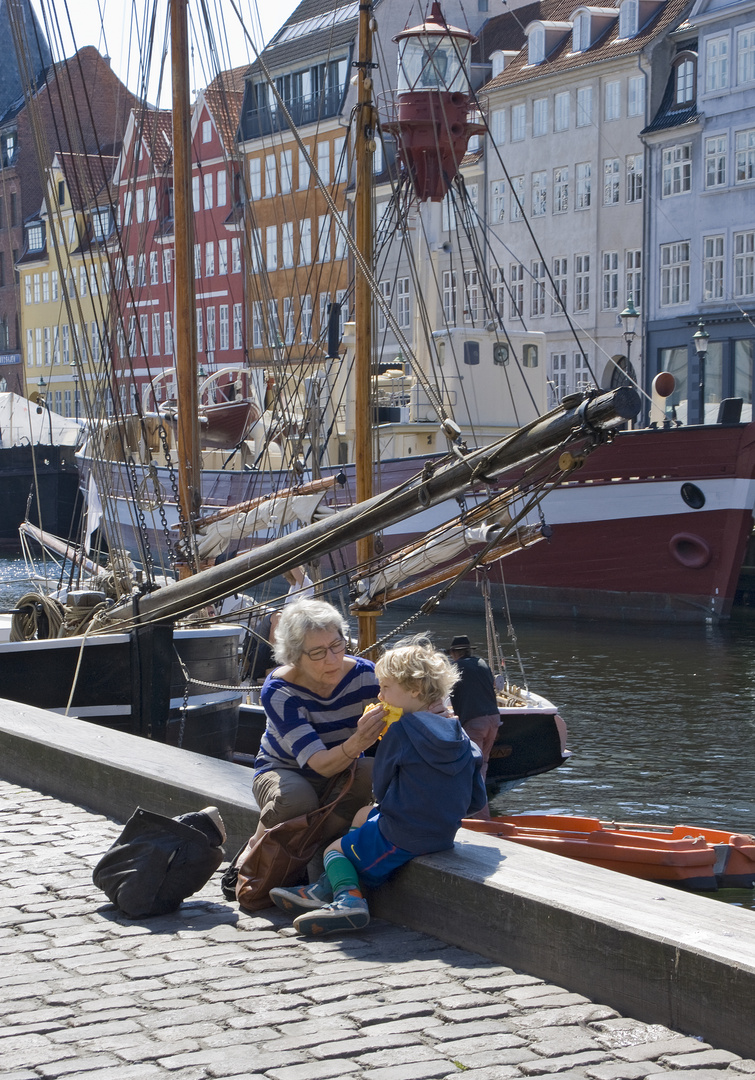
655	953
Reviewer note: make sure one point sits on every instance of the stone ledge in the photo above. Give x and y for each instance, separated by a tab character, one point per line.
653	953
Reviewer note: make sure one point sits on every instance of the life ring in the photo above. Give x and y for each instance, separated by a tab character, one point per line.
689	550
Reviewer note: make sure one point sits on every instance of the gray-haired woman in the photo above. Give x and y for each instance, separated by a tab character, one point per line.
316	720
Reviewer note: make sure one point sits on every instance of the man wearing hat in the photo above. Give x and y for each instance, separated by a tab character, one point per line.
474	701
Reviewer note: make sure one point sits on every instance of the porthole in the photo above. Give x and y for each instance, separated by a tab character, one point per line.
689	550
693	496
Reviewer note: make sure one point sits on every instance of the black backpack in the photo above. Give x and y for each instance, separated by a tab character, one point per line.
158	861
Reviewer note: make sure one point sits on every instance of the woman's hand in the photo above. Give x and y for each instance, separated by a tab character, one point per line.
369	729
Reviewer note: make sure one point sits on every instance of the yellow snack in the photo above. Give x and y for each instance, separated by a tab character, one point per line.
392	714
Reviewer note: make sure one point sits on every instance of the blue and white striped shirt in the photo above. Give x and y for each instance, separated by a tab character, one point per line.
300	723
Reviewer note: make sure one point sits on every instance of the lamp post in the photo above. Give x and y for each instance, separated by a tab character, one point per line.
42	403
700	340
75	377
629	317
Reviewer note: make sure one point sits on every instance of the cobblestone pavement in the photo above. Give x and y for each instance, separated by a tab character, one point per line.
212	992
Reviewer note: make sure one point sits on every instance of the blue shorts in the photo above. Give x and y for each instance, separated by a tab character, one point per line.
368	850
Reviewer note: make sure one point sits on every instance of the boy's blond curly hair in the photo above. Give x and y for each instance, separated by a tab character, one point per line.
418	667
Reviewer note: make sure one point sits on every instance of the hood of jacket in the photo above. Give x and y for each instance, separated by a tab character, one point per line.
439	740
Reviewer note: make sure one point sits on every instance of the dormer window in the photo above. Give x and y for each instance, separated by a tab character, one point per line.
629	19
102	223
536	45
684	80
580	35
35	237
61	192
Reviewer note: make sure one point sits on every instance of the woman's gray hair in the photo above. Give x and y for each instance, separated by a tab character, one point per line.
298	620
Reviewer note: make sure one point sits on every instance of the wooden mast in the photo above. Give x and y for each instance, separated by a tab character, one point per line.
363	441
185	330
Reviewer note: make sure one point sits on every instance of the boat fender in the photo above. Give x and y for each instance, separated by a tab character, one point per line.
689	550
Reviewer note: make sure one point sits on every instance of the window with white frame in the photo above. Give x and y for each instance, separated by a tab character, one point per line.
385	292
628	19
271	176
536	45
584	106
151	213
518	123
611	178
238	327
713	267
581	282
47	346
716	63
674	274
517	198
636	95
610	291
537	288
207	183
84	279
560	279
499	291
271	247
449	297
224	328
305	170
342	245
744	156
323	238
206	131
256	324
197	263
144	335
744	263
305	244
287	243
612	100
580	35
583	185
539	193
559	377
323	160
140	205
154	273
403	304
286	171
255	178
561	189
209	258
167	333
561	110
156	334
167	265
29	348
195	196
635	165
684	92
305	323
746	56
236	255
540	116
340	164
676	172
516	290
222	188
222	257
497	201
498	126
716	150
448	213
54	284
210	330
142	279
581	371
289	321
633	276
342	299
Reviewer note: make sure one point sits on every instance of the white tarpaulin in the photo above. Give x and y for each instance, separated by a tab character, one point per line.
22	422
272	514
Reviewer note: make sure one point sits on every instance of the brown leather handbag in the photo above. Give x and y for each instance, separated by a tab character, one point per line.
279	856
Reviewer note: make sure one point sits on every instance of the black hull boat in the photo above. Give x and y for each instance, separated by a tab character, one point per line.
175	686
39	484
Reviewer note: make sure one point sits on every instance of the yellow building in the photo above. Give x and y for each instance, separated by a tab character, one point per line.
65	288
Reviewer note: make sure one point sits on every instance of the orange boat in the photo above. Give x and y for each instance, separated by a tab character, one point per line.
684	855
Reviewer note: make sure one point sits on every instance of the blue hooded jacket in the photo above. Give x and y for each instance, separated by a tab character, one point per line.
426	779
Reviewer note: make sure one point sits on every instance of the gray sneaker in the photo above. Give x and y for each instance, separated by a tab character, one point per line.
300	898
345	913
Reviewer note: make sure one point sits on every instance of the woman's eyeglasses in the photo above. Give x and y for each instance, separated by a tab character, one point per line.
338	648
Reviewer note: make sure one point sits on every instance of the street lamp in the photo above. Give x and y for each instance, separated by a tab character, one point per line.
629	317
75	377
700	340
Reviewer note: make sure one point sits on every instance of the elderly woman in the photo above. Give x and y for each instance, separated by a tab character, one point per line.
316	720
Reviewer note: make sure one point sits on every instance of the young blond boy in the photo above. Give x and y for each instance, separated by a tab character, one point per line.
426	779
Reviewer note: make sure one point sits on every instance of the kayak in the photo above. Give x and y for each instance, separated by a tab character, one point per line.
688	856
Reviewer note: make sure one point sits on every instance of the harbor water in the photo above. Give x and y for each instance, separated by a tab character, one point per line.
661	720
